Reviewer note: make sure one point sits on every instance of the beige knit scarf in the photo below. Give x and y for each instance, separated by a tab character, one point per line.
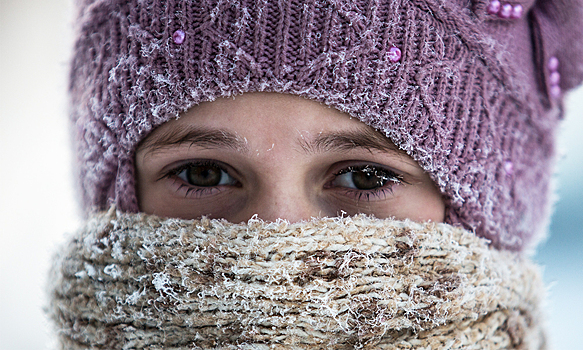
133	281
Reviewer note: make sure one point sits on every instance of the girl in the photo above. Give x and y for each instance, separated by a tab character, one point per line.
309	174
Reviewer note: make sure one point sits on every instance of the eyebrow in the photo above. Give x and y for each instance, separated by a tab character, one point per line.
369	139
195	136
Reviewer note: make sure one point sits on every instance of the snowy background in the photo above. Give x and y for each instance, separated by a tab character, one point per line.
37	206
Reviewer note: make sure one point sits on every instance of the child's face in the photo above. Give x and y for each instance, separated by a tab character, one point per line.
278	156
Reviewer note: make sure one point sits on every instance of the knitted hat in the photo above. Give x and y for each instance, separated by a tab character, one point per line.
472	90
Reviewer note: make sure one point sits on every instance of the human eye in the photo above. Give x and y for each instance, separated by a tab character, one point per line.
202	177
366	181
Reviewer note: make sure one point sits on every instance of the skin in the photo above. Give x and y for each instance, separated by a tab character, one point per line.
278	157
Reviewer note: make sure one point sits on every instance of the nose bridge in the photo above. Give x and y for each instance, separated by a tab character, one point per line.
284	200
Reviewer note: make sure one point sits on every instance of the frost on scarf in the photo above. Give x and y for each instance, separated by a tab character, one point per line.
135	281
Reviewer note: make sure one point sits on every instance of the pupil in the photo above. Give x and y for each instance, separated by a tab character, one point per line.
204	175
368	179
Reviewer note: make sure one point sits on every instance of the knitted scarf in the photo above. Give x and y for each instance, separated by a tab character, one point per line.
136	281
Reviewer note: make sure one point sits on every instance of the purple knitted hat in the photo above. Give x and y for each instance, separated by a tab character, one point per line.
471	89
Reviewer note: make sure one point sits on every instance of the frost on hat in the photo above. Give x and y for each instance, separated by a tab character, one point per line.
472	90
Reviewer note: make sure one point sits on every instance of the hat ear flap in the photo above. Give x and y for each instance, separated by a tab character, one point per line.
557	28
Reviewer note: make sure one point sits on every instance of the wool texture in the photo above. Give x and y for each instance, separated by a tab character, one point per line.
470	97
136	281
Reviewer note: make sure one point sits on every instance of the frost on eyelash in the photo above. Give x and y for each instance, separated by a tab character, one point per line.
370	170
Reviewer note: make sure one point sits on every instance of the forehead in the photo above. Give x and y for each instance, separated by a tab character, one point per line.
271	116
275	122
273	111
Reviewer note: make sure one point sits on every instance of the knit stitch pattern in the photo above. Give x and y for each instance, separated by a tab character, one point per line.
135	281
468	100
